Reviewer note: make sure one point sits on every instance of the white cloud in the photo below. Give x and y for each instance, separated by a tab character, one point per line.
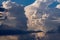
58	6
9	4
40	17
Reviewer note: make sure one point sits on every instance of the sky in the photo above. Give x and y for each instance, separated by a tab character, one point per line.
50	20
23	2
43	18
14	8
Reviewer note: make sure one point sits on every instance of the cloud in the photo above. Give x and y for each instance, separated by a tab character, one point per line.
58	6
15	15
42	17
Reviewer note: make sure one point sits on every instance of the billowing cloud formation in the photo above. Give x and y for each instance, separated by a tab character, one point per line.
41	16
15	15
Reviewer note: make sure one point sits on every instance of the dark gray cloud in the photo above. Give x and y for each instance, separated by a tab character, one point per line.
16	18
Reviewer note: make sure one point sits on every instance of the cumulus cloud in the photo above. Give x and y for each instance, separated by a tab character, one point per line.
15	15
42	17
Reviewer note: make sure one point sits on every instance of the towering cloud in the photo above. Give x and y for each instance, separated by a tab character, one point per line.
41	16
